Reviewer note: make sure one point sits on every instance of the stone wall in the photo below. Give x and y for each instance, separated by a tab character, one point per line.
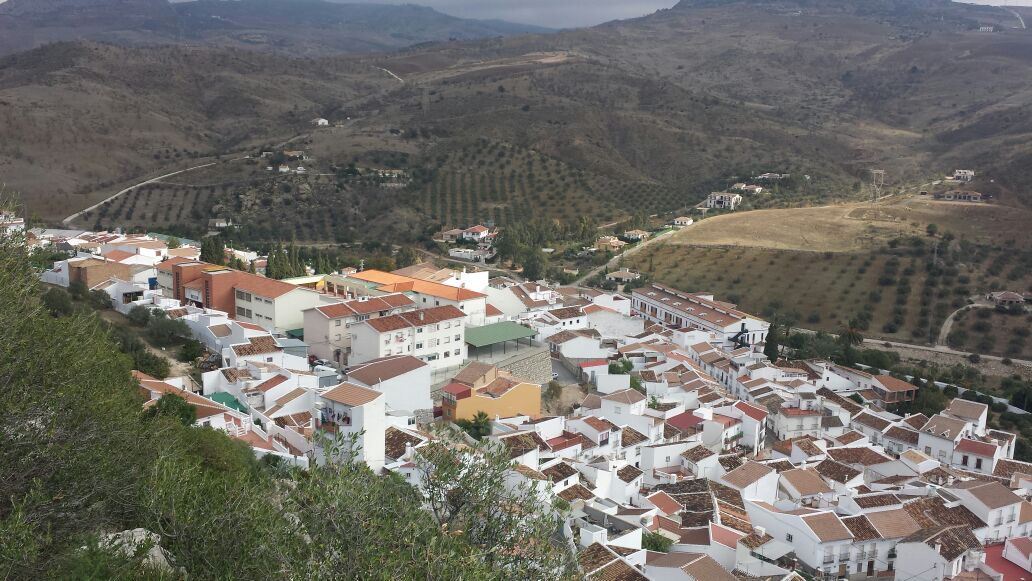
533	365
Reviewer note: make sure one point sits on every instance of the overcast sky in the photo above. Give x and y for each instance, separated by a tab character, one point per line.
550	13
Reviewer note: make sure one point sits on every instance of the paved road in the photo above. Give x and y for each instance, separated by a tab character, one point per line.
616	259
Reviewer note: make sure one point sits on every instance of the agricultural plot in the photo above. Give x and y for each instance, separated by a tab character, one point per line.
992	332
893	291
499	183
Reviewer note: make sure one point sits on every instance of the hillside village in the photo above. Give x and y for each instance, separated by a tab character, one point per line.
687	450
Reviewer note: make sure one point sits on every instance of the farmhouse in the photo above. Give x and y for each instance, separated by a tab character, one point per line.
683	221
959	196
609	244
623	275
636	235
1006	298
723	200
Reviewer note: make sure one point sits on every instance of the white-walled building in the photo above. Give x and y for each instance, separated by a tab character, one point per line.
434	335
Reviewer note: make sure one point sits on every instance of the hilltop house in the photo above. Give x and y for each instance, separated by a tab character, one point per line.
723	200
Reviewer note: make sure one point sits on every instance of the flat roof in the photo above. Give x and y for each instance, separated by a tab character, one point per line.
497	333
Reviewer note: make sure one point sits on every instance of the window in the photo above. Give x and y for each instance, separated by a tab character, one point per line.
964	460
242	312
419	345
419	330
242	296
337	322
928	450
618	410
457	353
336	337
446	354
458	337
788	537
978	463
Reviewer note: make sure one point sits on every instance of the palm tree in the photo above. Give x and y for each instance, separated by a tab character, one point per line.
850	333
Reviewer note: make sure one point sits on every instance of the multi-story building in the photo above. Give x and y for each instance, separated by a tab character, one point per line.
274	305
328	327
480	388
356	412
434	335
424	293
679	310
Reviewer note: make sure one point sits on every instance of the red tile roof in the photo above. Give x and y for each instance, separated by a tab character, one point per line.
365	306
985	449
384	369
417	318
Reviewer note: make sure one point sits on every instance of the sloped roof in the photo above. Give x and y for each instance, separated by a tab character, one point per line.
384	369
350	394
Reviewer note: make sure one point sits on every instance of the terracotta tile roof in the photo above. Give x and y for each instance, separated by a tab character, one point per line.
827	527
847	404
952	541
893	524
376	371
417	318
522	442
861	528
492	311
893	384
261	286
618	570
944	427
1008	468
780	465
756	413
984	449
220	331
270	383
365	306
600	424
730	462
665	503
631	437
916	421
575	492
747	474
396	441
530	472
849	437
857	456
836	471
931	511
876	500
350	394
901	434
628	473
594	557
806	482
559	471
992	494
755	540
872	421
627	396
260	345
396	283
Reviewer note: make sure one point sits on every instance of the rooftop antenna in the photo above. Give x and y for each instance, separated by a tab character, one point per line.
877	182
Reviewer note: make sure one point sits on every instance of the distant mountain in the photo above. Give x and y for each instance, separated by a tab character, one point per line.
299	27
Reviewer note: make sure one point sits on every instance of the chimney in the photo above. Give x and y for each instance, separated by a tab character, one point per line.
938	547
421	316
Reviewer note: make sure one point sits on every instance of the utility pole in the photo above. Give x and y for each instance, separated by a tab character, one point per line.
877	181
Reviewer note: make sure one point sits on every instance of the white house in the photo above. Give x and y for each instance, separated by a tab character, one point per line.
723	200
403	380
676	309
434	335
350	410
327	328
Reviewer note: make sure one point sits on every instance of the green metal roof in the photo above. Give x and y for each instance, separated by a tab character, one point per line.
296	333
228	400
497	333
